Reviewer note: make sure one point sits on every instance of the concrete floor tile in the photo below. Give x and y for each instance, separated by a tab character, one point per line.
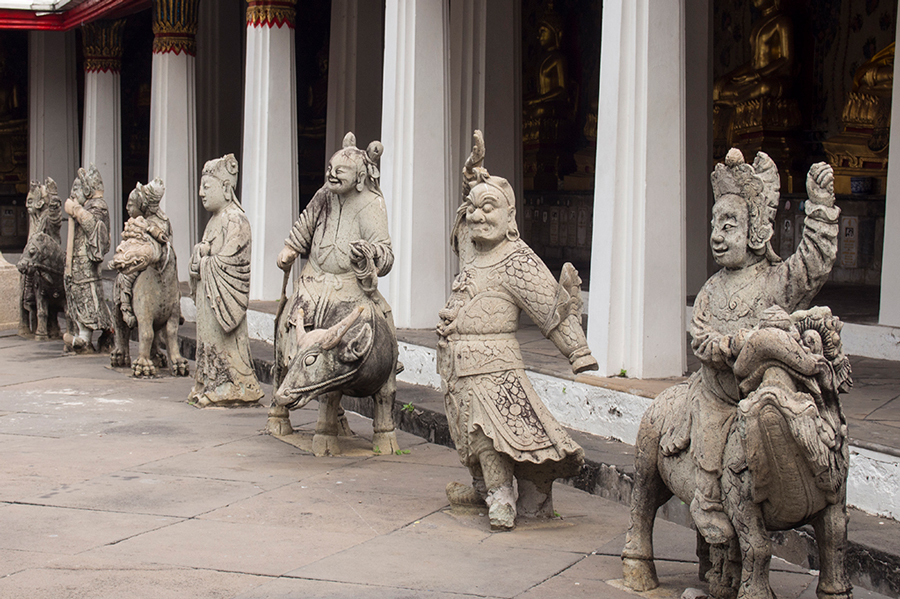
292	588
134	492
232	547
69	531
83	577
438	554
17	560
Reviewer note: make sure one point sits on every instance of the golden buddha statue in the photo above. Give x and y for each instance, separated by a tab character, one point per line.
861	150
771	68
754	108
549	114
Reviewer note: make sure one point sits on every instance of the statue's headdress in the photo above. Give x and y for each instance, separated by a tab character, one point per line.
153	192
51	187
91	181
760	186
225	169
369	160
552	21
474	175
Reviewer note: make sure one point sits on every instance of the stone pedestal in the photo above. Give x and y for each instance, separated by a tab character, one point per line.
414	174
102	140
270	186
637	287
173	120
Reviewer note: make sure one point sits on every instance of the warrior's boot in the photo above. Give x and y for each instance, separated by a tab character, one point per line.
707	511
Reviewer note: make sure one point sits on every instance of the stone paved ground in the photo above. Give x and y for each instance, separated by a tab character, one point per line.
115	487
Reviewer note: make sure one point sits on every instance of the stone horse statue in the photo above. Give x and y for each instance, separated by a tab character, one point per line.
357	356
785	461
155	301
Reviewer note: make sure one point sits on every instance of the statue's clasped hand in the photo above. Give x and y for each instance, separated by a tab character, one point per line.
70	206
286	258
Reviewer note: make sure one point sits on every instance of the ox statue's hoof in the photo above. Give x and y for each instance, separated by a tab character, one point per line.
385	443
639	574
119	358
279	422
324	445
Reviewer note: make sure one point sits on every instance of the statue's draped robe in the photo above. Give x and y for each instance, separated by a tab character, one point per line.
480	362
732	302
224	371
84	288
328	281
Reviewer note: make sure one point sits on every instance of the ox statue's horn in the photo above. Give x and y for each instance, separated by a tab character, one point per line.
335	333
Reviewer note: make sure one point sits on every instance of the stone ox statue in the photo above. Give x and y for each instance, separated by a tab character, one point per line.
755	441
357	357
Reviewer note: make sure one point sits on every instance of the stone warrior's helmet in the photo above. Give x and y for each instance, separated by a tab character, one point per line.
225	169
475	176
759	185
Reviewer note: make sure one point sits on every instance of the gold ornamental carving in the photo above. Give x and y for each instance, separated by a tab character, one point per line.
175	26
102	43
271	13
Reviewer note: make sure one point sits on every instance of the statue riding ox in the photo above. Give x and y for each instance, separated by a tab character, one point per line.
785	461
43	288
155	303
357	356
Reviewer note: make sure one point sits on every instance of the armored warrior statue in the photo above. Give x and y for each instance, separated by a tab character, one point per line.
500	427
89	242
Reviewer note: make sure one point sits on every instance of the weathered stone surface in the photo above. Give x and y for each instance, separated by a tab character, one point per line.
351	344
88	243
755	441
11	298
42	294
220	285
147	294
500	426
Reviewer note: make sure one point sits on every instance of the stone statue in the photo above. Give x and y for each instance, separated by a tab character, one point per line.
43	261
756	440
147	294
87	245
500	427
343	232
220	285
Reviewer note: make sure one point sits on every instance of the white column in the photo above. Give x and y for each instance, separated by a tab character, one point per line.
52	108
415	166
102	135
270	189
889	310
355	73
637	257
173	121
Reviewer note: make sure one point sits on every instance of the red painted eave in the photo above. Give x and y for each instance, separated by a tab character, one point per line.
85	12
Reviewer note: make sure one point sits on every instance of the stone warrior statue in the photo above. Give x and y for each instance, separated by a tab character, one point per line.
500	426
756	440
344	233
89	242
145	217
220	285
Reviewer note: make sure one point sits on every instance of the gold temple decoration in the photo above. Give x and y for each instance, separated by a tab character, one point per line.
102	45
175	26
754	107
861	150
271	13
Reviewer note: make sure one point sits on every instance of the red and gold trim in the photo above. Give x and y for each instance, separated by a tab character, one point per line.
102	44
271	13
175	26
